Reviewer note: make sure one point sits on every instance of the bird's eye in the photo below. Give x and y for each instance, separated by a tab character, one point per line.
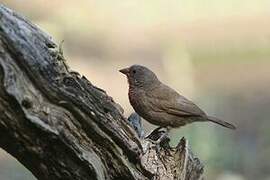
134	71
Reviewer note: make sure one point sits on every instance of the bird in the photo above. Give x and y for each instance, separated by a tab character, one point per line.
161	105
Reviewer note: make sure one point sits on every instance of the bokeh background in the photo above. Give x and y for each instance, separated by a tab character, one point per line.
213	52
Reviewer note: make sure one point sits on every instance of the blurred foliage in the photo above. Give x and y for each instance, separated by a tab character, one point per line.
214	52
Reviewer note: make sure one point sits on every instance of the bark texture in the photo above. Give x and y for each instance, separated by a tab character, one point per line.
60	126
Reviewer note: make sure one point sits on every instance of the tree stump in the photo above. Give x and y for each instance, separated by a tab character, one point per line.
60	126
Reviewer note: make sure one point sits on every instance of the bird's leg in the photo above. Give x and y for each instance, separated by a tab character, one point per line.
153	135
158	135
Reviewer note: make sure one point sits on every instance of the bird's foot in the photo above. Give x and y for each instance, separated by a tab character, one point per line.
159	137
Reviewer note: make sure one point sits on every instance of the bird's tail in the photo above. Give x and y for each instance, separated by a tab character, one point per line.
221	122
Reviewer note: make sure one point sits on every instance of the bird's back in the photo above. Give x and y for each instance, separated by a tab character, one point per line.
172	102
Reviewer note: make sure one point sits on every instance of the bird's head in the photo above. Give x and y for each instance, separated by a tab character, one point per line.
140	76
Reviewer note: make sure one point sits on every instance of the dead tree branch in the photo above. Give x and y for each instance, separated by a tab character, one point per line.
60	126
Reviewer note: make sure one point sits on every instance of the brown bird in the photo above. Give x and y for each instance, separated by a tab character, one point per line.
160	104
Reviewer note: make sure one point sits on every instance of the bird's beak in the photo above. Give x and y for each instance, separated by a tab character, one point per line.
124	71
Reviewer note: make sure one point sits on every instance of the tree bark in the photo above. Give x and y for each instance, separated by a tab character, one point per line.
60	126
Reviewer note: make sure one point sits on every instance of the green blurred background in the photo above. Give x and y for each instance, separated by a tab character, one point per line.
213	52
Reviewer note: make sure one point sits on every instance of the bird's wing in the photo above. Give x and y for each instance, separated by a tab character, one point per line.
163	98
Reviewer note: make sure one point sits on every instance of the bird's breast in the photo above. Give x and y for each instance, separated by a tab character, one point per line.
137	100
134	96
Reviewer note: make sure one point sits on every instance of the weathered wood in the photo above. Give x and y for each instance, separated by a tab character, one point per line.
60	126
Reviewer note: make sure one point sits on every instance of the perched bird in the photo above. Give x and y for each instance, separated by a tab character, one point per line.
161	105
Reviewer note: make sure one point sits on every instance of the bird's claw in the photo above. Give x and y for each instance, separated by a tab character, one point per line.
159	137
